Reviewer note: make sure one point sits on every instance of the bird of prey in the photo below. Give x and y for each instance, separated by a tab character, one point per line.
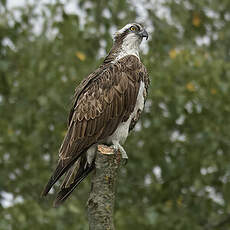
107	105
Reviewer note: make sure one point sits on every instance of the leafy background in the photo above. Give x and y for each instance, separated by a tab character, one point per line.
178	175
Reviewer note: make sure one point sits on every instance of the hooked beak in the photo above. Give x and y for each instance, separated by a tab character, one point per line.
143	33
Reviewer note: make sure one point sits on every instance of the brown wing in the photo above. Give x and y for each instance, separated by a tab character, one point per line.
108	99
102	101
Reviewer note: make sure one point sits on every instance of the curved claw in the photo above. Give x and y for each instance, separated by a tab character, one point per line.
117	146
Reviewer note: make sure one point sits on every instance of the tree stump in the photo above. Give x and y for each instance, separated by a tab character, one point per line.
102	196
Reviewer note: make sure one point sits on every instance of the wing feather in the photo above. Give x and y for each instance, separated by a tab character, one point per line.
103	100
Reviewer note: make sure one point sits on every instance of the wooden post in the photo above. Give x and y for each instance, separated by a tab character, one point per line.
102	196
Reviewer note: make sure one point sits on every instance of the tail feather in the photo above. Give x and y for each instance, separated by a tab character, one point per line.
61	168
65	192
71	174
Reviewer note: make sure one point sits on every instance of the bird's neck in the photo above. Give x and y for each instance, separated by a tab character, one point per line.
119	51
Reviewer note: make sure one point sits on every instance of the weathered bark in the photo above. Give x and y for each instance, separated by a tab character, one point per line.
102	196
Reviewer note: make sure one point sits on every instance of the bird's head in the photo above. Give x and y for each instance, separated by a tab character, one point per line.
131	34
127	42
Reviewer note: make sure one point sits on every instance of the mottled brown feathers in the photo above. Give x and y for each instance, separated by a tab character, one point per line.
102	101
106	97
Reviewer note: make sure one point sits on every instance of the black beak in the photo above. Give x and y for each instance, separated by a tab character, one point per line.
143	33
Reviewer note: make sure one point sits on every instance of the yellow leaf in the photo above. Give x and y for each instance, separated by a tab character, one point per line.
63	133
179	201
190	87
196	21
10	131
172	53
213	91
80	55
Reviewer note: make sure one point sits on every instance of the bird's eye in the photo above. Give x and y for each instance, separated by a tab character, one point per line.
132	28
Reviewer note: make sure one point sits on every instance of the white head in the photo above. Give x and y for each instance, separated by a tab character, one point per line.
132	30
129	38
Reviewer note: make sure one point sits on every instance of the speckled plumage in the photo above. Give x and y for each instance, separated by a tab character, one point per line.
106	106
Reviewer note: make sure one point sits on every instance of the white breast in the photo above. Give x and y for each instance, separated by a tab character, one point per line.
130	46
122	131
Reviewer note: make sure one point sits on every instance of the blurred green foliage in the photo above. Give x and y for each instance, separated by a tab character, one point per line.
178	175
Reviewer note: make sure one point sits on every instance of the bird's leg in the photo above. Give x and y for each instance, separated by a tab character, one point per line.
119	148
91	154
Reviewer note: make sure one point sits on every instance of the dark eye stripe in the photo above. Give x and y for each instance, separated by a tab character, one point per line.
137	26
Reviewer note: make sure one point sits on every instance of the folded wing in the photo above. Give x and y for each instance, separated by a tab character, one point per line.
103	100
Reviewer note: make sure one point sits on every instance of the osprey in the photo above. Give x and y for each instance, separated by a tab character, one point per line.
107	105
